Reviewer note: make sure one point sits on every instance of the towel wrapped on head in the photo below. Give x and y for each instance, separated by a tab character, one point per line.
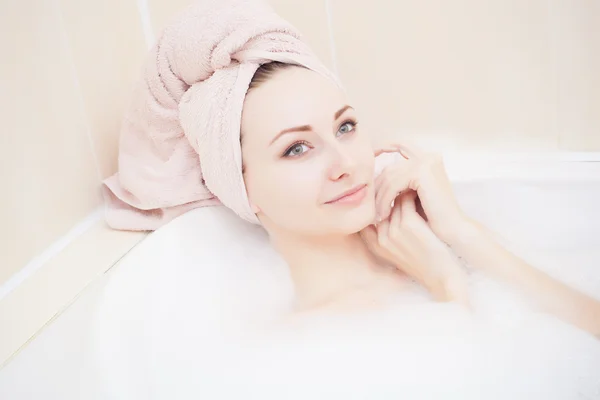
180	140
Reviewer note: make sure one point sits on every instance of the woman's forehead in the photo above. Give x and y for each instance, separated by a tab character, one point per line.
291	97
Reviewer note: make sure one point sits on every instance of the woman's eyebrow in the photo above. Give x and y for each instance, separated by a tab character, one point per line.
341	111
302	128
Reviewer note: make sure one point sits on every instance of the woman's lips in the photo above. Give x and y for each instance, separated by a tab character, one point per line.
351	197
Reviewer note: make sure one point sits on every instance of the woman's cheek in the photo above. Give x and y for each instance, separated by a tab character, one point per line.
304	182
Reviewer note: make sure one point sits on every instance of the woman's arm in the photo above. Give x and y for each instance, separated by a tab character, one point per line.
475	245
426	174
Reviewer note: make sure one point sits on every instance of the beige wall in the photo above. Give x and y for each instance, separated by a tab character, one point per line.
501	74
67	67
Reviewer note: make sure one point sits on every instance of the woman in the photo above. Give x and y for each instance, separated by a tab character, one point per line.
234	109
309	170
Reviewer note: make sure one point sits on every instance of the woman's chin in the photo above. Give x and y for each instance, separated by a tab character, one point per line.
356	220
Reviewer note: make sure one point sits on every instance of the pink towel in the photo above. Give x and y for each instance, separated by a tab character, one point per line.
180	139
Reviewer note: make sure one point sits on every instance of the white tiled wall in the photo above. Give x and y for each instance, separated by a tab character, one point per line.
496	74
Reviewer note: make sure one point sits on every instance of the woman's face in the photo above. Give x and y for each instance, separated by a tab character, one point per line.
302	150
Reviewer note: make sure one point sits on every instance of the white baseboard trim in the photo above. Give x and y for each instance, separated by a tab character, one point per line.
36	263
37	295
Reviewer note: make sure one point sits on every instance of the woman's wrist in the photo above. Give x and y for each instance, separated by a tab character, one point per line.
456	289
447	281
465	234
450	288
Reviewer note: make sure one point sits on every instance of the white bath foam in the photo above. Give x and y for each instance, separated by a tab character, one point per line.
421	351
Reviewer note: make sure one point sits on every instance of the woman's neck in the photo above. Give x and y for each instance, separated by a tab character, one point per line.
325	268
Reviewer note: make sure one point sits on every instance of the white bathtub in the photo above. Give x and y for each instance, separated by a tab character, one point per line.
549	209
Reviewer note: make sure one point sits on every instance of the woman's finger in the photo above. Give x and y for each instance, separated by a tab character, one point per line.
390	149
385	172
383	230
390	189
408	202
410	150
382	179
407	149
387	176
401	164
396	214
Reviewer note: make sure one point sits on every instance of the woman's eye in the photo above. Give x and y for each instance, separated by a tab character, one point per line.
347	127
296	150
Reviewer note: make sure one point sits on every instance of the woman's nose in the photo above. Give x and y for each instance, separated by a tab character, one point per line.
341	164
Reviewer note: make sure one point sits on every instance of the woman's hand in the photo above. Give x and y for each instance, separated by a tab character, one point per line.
405	240
424	173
